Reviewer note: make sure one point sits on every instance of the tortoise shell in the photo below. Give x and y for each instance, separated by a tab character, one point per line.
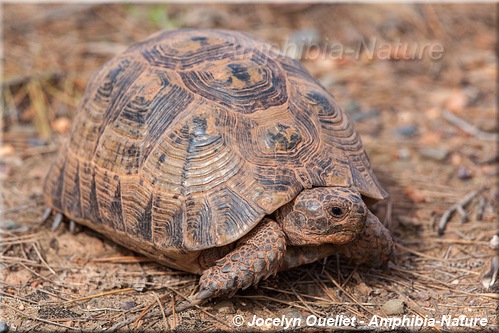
188	139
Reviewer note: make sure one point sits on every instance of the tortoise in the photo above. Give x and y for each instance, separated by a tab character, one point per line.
211	152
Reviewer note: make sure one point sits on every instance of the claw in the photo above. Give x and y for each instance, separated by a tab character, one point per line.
57	222
204	294
45	215
73	227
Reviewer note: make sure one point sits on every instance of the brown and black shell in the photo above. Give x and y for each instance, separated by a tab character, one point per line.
188	139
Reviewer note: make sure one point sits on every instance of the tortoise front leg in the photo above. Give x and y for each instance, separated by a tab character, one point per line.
256	256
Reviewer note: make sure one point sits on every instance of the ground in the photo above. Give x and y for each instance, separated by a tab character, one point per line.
419	81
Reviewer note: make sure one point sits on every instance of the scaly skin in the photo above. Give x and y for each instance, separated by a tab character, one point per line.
373	247
318	223
256	256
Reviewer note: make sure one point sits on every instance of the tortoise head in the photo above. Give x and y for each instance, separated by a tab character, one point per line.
321	215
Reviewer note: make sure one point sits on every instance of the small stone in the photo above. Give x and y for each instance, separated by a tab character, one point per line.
353	108
407	131
291	314
394	307
423	296
464	173
140	285
300	42
494	242
456	101
404	154
7	150
225	307
11	161
128	305
359	115
430	139
36	142
414	194
305	36
436	154
61	125
327	80
4	328
10	225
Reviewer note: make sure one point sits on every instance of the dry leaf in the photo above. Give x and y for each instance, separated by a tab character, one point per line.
7	150
415	195
393	307
61	125
457	101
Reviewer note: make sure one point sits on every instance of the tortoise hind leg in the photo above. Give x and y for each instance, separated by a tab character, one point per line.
256	256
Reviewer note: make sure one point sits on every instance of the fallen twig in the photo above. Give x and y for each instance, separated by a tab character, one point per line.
45	262
185	305
468	128
459	207
111	292
347	293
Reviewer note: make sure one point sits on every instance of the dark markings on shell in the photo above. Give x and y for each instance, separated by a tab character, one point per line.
262	84
143	226
116	207
337	130
187	53
201	39
136	111
283	137
195	160
94	211
106	188
282	180
240	72
123	77
170	105
57	189
199	227
361	171
106	87
295	69
233	213
326	109
127	145
71	198
162	158
175	227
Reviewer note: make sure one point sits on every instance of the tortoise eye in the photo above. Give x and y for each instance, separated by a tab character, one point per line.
336	211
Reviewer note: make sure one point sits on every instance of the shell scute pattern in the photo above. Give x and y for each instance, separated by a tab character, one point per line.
186	141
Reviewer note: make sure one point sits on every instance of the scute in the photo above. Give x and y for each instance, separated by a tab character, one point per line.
188	139
245	86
